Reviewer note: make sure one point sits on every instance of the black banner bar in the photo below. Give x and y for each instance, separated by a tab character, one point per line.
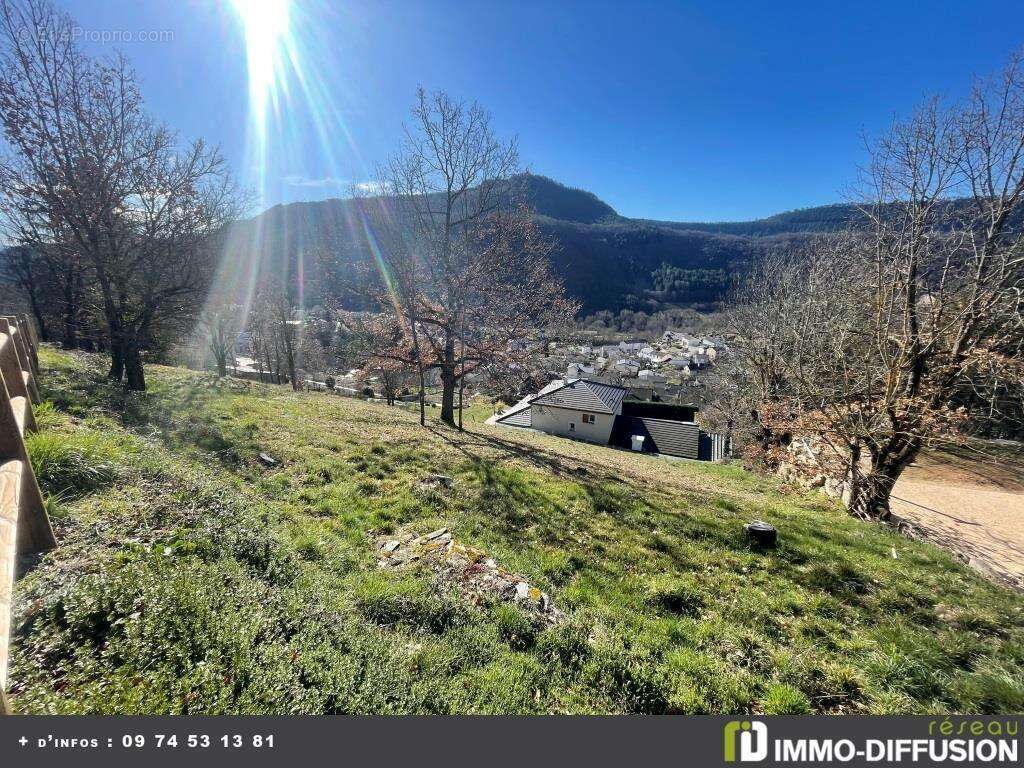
495	742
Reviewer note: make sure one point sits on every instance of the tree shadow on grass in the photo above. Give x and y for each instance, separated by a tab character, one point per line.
557	464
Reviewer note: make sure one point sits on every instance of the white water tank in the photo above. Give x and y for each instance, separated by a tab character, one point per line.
638	442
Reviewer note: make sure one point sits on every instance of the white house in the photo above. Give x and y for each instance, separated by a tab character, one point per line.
601	413
627	367
651	377
578	371
584	410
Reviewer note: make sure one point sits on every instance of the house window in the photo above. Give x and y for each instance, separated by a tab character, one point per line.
588	418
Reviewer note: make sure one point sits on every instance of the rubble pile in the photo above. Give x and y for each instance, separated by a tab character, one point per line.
468	569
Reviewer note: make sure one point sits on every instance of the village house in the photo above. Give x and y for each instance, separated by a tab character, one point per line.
627	367
651	377
584	410
579	371
607	414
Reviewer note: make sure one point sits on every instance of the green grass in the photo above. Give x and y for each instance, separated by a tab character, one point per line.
191	578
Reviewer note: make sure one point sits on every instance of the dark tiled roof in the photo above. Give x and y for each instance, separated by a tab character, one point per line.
584	395
516	418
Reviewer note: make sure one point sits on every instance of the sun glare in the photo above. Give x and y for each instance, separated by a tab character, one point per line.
266	24
292	87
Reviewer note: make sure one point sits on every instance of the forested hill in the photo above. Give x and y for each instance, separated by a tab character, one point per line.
823	218
607	261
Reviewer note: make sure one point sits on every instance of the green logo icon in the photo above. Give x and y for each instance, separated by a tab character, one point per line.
744	732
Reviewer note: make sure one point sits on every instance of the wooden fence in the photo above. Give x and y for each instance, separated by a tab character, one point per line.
24	527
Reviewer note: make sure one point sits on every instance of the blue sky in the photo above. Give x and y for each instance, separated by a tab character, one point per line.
686	111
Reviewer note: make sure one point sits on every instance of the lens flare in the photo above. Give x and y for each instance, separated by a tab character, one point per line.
266	26
298	102
270	55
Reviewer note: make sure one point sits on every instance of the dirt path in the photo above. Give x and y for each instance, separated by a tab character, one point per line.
971	503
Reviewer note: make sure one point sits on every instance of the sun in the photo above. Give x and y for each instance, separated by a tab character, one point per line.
266	24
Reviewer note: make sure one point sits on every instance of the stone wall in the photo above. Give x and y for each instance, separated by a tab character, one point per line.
812	462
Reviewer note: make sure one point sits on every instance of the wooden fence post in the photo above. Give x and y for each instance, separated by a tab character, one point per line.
24	525
23	357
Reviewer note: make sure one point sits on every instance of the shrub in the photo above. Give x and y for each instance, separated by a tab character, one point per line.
72	464
782	699
407	600
675	595
514	627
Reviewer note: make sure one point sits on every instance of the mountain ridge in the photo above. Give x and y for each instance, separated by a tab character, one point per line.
607	261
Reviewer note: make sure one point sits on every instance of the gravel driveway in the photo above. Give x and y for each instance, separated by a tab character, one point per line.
971	503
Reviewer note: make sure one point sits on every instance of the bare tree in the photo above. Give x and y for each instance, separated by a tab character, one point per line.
261	345
32	274
219	325
392	375
275	330
872	337
465	273
90	170
728	408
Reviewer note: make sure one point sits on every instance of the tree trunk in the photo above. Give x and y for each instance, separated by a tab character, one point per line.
291	372
70	328
135	377
448	382
37	312
116	360
222	366
419	368
462	392
270	366
462	360
448	395
869	495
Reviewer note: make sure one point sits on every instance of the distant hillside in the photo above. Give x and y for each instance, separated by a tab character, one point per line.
558	201
823	218
607	261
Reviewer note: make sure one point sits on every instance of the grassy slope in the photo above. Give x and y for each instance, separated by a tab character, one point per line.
190	578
